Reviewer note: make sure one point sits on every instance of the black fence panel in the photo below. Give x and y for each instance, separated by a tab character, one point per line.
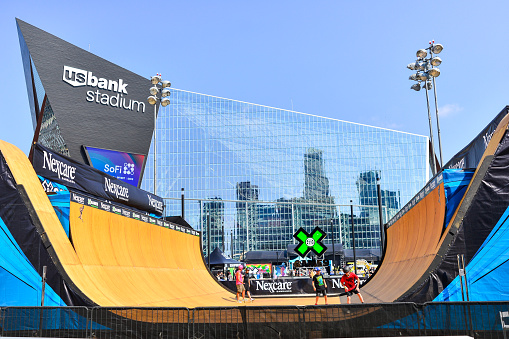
368	320
475	319
218	322
140	322
69	322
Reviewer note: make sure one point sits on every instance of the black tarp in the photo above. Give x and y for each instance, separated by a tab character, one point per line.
369	254
338	249
476	217
263	257
217	258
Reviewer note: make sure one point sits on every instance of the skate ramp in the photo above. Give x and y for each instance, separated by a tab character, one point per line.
418	261
411	247
112	260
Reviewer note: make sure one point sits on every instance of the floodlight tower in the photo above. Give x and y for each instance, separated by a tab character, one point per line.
426	71
157	83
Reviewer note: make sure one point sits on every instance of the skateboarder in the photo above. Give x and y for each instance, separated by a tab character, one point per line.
351	282
319	285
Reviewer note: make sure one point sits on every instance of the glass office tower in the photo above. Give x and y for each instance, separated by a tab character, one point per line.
261	173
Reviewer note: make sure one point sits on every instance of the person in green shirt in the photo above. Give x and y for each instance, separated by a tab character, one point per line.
319	285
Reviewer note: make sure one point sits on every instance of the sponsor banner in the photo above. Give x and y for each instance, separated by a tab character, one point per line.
432	184
125	212
65	171
121	165
470	156
284	286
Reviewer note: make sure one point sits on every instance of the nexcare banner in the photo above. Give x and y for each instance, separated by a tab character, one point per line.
65	171
287	286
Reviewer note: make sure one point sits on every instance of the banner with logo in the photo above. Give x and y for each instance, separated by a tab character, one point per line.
107	206
65	171
283	286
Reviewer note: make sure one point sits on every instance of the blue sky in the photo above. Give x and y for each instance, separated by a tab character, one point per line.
340	59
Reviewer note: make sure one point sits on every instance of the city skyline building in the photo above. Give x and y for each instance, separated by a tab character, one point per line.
278	170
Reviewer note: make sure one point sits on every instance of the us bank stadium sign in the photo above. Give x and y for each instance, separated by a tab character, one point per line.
112	93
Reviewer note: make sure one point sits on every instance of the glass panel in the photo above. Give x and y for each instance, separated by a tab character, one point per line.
263	172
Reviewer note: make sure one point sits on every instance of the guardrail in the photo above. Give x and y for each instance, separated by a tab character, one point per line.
475	319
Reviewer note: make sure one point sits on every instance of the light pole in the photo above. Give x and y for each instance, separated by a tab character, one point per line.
427	72
165	101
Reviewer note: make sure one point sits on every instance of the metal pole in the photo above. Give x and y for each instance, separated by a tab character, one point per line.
430	131
465	272
353	239
222	235
438	124
293	222
460	271
231	243
333	249
155	148
247	228
43	284
380	215
182	202
208	238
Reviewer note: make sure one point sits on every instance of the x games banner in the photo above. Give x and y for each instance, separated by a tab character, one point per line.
65	171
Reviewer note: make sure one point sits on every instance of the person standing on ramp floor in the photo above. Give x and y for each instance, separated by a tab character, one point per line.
239	281
319	285
351	282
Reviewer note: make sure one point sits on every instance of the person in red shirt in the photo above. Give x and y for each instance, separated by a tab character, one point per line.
239	282
351	283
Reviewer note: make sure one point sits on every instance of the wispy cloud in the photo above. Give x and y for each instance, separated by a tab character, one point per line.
449	110
378	122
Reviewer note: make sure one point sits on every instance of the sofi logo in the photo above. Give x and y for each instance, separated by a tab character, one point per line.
77	78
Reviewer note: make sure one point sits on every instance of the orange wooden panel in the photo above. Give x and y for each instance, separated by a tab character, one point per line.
411	245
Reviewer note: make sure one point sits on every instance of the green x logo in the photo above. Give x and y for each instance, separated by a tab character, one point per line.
310	242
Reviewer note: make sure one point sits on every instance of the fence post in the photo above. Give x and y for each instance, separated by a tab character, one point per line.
353	239
2	319
90	321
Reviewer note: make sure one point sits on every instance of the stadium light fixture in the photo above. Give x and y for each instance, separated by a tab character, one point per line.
436	48
421	53
434	72
426	67
436	61
156	81
416	87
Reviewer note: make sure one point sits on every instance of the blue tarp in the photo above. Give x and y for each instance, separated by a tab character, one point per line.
488	271
20	283
455	184
60	200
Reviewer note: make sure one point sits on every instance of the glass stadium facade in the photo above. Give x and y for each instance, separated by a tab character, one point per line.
257	174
